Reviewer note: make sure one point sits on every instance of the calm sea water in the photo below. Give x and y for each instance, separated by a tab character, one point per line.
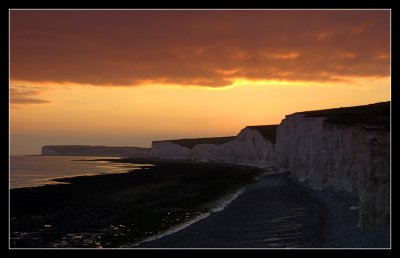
28	171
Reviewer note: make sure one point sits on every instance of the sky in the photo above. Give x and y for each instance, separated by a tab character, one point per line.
127	77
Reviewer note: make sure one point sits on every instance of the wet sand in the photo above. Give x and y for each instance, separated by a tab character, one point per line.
278	212
340	224
115	210
112	210
271	213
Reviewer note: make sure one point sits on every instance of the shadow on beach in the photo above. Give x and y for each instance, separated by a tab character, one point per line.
126	210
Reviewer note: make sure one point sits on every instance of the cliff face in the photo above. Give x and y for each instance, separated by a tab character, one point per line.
249	147
84	150
205	152
339	157
169	150
343	149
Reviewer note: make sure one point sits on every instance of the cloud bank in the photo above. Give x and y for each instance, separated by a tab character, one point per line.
203	48
20	94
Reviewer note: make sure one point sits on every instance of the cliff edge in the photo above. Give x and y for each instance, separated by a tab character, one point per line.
253	145
344	149
340	149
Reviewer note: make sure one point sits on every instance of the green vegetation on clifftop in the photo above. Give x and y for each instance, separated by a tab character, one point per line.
376	115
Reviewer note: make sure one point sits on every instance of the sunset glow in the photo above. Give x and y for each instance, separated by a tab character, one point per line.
125	78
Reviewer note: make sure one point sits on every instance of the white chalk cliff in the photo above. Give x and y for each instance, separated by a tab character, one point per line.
250	146
339	157
170	150
344	149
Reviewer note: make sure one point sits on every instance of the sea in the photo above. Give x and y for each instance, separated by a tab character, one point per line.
30	171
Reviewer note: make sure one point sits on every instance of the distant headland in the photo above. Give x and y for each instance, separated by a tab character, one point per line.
88	150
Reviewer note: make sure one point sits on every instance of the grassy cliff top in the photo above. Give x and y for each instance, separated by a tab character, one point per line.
268	131
376	115
190	143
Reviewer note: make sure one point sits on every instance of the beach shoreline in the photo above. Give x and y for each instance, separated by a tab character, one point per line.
324	219
333	224
112	206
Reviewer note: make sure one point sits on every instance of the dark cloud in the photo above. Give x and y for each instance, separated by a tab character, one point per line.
28	101
20	94
206	48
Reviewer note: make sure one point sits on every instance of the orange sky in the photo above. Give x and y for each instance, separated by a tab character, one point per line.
129	77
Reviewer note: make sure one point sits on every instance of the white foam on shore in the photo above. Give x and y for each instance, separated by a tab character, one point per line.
174	229
220	205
